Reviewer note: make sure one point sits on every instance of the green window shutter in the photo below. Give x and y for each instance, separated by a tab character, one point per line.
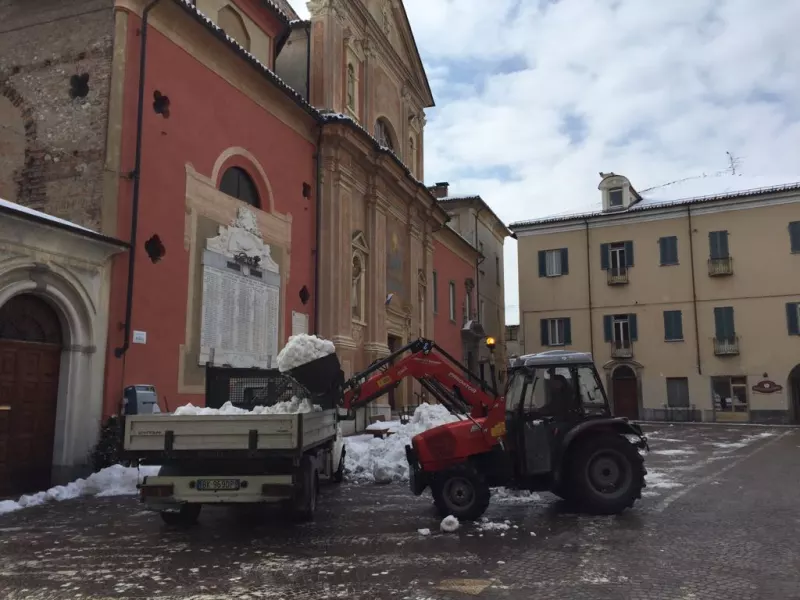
628	254
663	251
792	318
564	261
542	263
545	338
718	244
677	325
608	325
668	250
633	327
794	236
719	323
567	332
723	322
604	256
668	325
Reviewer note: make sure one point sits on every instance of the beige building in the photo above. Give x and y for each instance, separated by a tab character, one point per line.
687	295
477	223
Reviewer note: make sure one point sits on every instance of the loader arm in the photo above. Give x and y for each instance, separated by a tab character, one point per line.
439	373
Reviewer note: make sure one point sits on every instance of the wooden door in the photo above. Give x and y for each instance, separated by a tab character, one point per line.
625	393
30	356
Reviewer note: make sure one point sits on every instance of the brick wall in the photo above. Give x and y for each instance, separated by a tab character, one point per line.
53	129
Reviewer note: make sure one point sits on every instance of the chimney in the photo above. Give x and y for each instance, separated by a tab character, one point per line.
440	189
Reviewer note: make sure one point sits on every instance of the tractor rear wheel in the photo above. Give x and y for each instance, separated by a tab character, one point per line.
606	475
461	492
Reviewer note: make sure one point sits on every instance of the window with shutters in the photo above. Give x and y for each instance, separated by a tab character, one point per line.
435	293
677	392
730	394
726	342
668	250
720	261
556	332
620	331
673	325
452	301
793	317
552	263
616	258
794	236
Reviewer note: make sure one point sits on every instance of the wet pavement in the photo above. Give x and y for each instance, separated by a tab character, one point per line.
720	519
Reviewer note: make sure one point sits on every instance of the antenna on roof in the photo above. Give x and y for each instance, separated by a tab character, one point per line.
733	162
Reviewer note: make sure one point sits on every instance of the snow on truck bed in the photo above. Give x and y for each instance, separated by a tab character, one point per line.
301	349
287	407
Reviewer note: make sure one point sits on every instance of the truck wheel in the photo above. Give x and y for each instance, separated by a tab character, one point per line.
338	474
461	492
185	517
307	498
606	475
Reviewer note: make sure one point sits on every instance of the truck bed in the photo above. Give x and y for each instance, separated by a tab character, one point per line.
167	434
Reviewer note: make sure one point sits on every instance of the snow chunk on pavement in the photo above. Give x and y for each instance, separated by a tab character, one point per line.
287	407
115	480
377	460
487	525
424	531
301	349
449	524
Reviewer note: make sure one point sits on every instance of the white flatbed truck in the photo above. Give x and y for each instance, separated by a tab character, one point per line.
234	459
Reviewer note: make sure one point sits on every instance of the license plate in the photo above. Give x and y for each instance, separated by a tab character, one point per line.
217	485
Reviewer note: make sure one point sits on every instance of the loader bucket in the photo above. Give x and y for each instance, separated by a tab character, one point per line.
320	376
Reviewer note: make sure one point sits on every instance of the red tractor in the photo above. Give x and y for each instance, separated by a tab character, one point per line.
551	431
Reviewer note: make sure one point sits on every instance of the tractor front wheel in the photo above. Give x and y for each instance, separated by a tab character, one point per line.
461	492
606	475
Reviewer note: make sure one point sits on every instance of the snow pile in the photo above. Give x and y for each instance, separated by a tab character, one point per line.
745	441
487	525
449	524
503	495
424	531
287	407
301	349
378	460
115	480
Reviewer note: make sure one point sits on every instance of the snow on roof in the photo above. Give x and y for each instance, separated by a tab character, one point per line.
217	30
13	206
691	190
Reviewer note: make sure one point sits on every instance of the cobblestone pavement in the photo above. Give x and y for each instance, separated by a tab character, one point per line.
720	519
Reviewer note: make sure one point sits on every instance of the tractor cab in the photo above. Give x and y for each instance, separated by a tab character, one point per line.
551	397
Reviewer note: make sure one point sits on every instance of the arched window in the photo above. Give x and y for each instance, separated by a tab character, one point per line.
351	87
232	23
383	133
237	183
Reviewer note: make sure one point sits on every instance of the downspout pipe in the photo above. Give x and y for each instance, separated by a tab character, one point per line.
589	281
694	292
317	225
136	175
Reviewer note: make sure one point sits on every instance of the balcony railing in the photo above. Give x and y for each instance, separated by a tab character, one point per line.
728	346
718	267
617	276
622	349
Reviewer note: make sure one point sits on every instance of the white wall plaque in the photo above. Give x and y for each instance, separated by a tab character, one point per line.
299	323
241	298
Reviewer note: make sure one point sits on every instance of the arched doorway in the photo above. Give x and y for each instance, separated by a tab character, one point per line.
30	357
794	394
625	392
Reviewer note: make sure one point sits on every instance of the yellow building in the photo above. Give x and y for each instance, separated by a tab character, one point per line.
687	294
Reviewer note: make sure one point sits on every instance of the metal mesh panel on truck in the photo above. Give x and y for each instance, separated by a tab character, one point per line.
246	388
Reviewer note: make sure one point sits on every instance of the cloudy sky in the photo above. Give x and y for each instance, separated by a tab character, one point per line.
535	97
